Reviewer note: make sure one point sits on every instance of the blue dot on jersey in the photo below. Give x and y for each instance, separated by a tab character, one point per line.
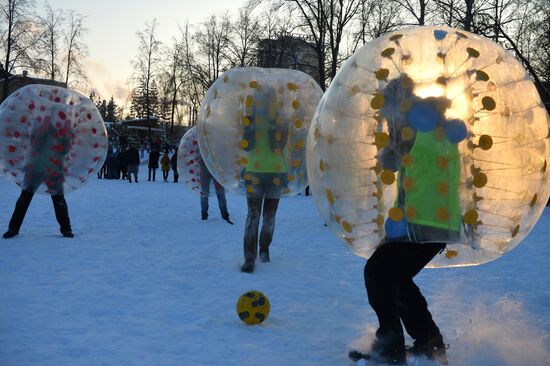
455	130
423	117
440	34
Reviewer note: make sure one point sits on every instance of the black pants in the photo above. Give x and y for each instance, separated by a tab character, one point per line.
154	172
176	176
165	174
250	244
394	296
23	202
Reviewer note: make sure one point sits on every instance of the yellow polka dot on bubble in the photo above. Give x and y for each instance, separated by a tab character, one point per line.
243	160
470	217
347	226
290	178
378	101
299	144
488	103
379	220
405	105
291	86
278	136
411	213
395	214
245	121
278	167
296	163
442	162
408	183
442	214
255	180
243	144
225	79
249	101
248	176
387	177
295	104
382	74
439	133
298	123
407	160
381	140
451	254
443	188
407	133
253	84
257	165
249	189
330	196
322	165
485	142
286	191
480	180
276	181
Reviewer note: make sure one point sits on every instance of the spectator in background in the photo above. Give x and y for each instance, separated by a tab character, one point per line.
132	158
174	162
165	166
122	163
153	165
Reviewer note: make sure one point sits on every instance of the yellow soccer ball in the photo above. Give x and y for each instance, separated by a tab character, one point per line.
253	307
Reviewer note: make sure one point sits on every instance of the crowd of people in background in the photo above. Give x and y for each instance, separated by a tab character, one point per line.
124	158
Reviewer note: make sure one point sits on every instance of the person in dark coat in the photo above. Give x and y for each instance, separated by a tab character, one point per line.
45	167
132	158
174	163
122	163
153	165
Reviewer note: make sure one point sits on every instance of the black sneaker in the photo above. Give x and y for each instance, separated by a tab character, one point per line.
434	349
204	217
264	255
9	234
228	220
67	234
248	266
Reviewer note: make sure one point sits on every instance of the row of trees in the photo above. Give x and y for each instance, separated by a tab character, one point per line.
172	79
48	41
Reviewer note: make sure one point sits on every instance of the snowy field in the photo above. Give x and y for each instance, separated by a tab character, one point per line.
146	282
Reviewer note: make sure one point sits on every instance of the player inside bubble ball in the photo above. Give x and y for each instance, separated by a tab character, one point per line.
49	145
423	152
266	134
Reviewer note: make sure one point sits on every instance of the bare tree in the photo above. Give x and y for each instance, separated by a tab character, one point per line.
48	47
244	35
418	10
212	40
146	64
377	17
75	48
19	35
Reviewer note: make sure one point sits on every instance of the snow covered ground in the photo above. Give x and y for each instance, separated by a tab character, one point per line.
146	282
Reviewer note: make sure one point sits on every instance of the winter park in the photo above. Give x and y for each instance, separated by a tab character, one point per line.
280	182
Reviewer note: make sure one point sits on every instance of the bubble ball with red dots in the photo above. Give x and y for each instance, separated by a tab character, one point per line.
189	161
51	139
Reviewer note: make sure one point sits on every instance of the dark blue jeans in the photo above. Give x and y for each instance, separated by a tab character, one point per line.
206	181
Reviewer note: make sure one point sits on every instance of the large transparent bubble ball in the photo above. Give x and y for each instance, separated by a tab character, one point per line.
189	162
252	129
431	134
51	139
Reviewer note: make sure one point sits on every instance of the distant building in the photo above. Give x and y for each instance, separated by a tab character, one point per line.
288	52
18	81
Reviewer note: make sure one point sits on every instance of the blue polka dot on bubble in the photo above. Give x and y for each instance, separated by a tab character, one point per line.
396	229
423	117
440	34
455	130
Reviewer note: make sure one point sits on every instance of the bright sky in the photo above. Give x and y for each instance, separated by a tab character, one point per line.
112	26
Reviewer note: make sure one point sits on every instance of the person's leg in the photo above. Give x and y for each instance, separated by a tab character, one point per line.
268	227
136	175
19	212
413	307
62	215
205	193
222	203
130	170
250	242
150	171
154	173
381	281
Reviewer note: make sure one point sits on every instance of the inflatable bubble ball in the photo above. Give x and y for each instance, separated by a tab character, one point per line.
190	163
253	307
252	129
51	139
431	134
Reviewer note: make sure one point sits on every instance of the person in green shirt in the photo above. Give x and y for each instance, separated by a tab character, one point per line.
423	153
265	137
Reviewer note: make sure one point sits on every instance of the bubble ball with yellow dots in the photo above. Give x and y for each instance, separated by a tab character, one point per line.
253	307
252	130
431	134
